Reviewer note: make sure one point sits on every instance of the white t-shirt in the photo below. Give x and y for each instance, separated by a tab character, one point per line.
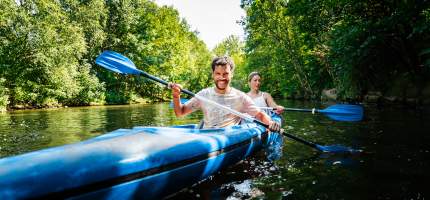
215	117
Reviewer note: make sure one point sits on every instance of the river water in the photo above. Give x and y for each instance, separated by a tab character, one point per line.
394	164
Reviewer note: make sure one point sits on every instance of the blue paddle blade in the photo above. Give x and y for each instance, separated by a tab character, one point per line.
337	149
117	63
345	118
183	101
341	112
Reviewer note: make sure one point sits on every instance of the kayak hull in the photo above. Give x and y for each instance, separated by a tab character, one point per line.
168	182
143	162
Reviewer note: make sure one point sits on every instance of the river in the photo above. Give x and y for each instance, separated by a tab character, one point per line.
394	164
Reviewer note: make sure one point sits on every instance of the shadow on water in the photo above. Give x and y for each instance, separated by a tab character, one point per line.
395	167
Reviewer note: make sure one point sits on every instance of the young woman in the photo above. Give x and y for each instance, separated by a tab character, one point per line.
261	99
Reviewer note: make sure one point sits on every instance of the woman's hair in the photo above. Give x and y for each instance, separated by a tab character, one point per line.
252	74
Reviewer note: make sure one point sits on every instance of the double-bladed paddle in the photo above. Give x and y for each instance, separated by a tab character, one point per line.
118	63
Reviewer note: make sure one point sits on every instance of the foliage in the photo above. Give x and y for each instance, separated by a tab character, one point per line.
4	98
158	42
48	50
354	46
40	56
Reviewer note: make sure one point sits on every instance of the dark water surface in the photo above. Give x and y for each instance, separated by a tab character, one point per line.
395	165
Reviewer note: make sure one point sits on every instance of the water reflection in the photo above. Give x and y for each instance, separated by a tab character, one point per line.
29	130
395	166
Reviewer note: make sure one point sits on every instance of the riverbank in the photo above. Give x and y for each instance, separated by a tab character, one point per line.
57	105
372	99
401	94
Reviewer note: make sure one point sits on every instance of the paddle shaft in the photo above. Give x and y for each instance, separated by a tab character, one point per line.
293	109
301	110
156	79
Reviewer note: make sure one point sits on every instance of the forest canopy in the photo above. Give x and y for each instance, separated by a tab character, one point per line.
355	46
301	47
48	50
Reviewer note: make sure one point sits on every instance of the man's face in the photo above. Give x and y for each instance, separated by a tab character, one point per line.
222	76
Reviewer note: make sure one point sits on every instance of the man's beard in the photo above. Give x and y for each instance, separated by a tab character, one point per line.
218	87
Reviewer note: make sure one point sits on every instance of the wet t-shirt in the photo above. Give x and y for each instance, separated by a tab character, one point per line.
215	117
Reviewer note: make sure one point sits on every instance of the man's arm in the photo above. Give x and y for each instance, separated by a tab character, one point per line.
178	107
263	117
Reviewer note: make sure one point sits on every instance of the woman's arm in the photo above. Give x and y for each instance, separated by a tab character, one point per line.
271	103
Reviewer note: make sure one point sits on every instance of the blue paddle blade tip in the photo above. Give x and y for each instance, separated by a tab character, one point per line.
117	63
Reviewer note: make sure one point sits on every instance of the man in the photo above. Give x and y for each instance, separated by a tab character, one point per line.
222	93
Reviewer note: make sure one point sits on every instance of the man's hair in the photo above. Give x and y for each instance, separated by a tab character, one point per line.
252	74
223	61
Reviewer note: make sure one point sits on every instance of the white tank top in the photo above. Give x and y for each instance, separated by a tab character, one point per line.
260	101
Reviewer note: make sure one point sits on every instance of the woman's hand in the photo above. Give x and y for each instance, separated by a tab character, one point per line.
279	110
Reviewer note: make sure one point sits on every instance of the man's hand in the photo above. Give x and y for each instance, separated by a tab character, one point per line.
176	89
274	126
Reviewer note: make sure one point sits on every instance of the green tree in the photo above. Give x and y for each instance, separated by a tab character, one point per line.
355	46
158	42
4	97
40	53
233	47
273	49
91	16
48	50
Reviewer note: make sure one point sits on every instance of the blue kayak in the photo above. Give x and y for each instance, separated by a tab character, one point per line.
143	162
